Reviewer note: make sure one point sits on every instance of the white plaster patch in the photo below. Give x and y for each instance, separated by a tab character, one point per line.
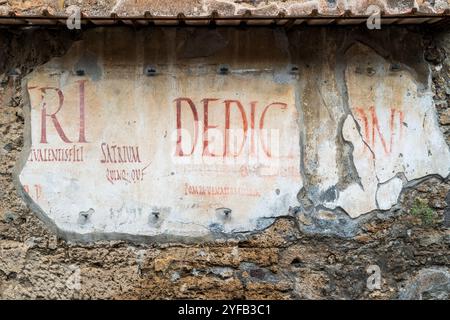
358	198
397	132
388	193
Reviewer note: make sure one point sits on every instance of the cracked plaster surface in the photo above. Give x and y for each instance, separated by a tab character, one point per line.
359	131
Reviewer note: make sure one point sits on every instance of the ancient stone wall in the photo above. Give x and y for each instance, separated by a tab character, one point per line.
374	131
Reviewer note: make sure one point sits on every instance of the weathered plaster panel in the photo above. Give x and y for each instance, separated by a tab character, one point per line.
121	146
350	130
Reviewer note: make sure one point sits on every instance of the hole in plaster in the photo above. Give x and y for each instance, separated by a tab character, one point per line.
225	213
150	71
370	71
156	217
224	69
84	216
294	70
395	67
